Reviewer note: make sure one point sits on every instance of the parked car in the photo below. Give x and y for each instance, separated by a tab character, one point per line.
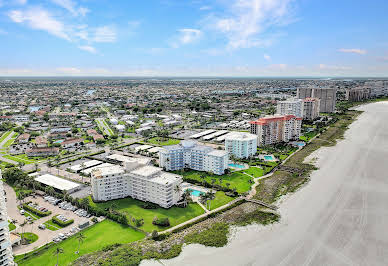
42	226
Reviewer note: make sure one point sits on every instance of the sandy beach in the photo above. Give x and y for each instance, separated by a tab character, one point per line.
339	218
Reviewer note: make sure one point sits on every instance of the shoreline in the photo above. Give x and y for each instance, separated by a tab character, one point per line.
286	206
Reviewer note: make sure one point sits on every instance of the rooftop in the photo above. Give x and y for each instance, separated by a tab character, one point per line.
56	182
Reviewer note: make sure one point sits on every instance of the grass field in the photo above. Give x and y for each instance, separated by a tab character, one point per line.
255	171
237	180
20	158
131	208
11	140
220	200
96	237
52	226
30	237
11	226
6	134
308	136
163	141
104	127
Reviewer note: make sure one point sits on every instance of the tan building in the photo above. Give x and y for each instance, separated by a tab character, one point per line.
358	94
328	97
311	108
276	128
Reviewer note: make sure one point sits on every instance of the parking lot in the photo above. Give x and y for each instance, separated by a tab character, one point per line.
45	235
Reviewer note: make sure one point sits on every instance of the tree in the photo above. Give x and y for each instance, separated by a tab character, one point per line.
186	196
210	196
57	251
80	237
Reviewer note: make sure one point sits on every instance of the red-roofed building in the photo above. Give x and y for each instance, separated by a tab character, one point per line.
276	128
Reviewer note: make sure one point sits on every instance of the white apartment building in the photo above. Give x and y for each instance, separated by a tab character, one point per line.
189	154
6	257
136	180
276	128
241	144
311	108
290	107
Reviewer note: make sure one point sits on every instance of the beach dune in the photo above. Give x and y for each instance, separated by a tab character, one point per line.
339	218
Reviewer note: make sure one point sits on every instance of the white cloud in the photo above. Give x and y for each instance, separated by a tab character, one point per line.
188	36
68	70
248	19
40	19
72	7
353	51
88	48
105	34
267	57
20	2
333	67
205	8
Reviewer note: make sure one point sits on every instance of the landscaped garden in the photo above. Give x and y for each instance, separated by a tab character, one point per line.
96	237
255	171
11	226
28	238
50	225
132	208
220	200
237	180
163	141
22	158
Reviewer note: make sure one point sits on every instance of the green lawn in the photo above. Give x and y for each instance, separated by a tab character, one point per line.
23	158
163	141
50	225
220	200
31	237
131	208
10	141
237	180
308	136
96	237
255	171
11	226
6	134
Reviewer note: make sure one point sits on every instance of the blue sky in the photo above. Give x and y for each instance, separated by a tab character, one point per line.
194	38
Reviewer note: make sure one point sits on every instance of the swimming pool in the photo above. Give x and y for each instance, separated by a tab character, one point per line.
195	193
268	157
236	165
59	141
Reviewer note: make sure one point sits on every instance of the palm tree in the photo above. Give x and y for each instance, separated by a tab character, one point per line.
178	190
213	181
186	196
210	196
57	251
80	237
36	167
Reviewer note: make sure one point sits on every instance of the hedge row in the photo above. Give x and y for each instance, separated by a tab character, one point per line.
61	223
35	211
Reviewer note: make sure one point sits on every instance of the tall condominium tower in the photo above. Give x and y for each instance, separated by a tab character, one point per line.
328	97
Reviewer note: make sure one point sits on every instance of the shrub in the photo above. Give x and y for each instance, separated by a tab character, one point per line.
94	220
35	211
161	221
61	223
149	205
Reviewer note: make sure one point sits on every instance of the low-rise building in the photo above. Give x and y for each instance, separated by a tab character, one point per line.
23	138
241	144
276	128
136	180
41	142
189	154
69	143
42	152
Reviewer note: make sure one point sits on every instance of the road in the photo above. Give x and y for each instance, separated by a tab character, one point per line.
339	218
